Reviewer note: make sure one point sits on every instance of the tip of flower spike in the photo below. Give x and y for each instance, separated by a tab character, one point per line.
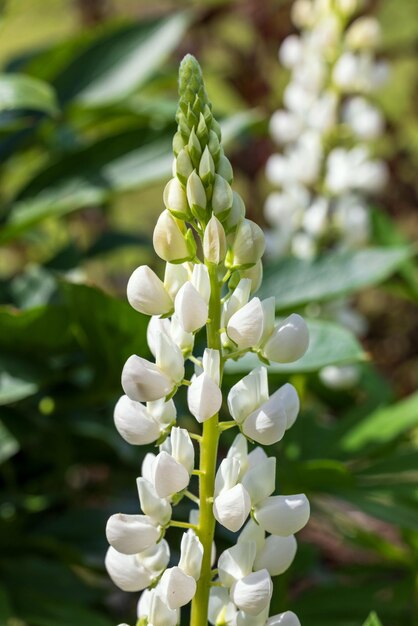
193	99
190	73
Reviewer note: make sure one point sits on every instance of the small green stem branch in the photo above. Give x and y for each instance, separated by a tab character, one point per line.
208	455
226	425
176	524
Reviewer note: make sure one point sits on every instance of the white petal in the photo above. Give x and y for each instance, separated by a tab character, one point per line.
134	423
211	362
182	449
191	552
276	555
156	558
253	593
284	619
267	424
147	294
260	481
283	515
147	466
269	316
164	413
155	325
236	562
238	299
221	609
227	474
256	457
200	280
245	619
177	588
248	394
158	509
169	358
191	308
185	341
126	572
204	397
245	327
175	276
231	508
289	340
152	607
252	532
144	381
130	534
239	450
169	476
288	396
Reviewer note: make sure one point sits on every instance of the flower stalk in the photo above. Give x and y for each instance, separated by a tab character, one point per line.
210	280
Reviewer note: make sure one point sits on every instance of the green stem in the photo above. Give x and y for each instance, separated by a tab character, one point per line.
208	455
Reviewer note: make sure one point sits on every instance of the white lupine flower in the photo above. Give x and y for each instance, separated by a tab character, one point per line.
134	572
289	340
157	325
253	533
191	308
152	607
365	120
364	32
147	294
221	609
191	554
146	381
169	240
245	619
260	480
283	515
183	339
130	534
147	465
236	562
176	587
232	507
248	245
169	476
289	398
252	593
156	508
238	299
204	396
227	475
175	276
248	394
284	619
238	451
214	241
245	327
200	280
180	446
255	274
339	376
134	423
291	52
276	555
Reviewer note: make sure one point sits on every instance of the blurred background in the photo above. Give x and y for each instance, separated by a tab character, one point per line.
87	104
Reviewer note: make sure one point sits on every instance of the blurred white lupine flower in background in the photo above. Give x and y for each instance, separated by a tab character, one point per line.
216	291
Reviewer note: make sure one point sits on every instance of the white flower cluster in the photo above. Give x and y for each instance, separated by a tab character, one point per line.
188	299
325	171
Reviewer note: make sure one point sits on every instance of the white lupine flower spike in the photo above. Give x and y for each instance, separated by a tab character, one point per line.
208	286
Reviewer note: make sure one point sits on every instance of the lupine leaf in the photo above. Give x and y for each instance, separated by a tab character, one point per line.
8	447
20	92
372	620
329	344
296	282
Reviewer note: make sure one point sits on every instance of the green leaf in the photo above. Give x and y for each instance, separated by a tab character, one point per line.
9	446
296	282
20	92
18	380
372	620
329	344
382	426
120	61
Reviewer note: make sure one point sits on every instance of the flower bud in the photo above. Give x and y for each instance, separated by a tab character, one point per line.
214	145
204	397
248	246
143	381
206	167
231	507
176	587
196	195
191	309
222	197
134	423
191	554
260	480
289	340
214	241
175	199
236	214
252	594
255	274
170	241
283	515
156	508
246	325
183	166
284	619
224	169
194	147
126	571
236	562
363	33
202	130
169	476
276	555
130	534
147	294
178	143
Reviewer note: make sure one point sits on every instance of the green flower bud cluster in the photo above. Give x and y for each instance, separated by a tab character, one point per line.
200	191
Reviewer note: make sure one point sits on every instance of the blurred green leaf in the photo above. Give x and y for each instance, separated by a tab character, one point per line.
20	92
372	620
295	282
382	426
8	448
119	62
329	344
18	379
